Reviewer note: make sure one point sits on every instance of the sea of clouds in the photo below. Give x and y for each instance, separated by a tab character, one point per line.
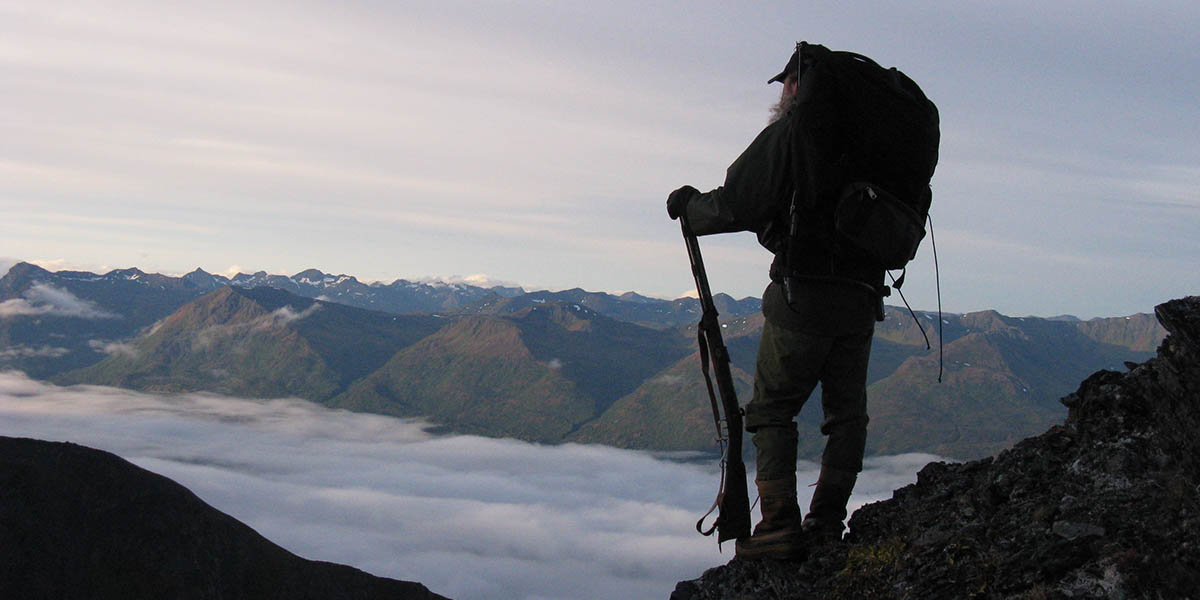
469	517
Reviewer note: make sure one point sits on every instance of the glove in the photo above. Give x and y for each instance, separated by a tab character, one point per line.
678	200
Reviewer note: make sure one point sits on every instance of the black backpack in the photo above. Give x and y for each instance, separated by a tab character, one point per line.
866	145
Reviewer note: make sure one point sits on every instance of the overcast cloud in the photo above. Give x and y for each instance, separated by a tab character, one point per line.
471	518
535	142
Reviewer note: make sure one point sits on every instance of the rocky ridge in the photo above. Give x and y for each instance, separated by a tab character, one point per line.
1106	505
82	523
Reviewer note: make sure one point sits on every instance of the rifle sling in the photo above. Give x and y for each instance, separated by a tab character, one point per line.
707	320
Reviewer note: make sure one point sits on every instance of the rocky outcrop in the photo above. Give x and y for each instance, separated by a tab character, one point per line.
81	523
1106	505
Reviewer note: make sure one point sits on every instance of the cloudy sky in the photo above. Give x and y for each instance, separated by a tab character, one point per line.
471	518
535	142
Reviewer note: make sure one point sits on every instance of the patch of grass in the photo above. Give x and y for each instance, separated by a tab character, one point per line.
869	571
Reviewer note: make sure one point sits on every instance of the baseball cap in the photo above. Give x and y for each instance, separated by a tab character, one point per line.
792	64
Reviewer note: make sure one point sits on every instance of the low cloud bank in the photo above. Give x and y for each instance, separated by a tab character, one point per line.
113	348
23	351
287	314
44	299
470	517
280	317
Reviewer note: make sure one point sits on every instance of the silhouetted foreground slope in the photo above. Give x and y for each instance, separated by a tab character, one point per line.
1106	505
82	523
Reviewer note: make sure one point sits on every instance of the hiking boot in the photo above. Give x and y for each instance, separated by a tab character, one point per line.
823	523
819	533
779	534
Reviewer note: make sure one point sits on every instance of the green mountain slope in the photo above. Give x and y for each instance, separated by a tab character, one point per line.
670	411
605	358
475	376
258	342
536	375
1002	380
54	322
353	342
1141	332
223	342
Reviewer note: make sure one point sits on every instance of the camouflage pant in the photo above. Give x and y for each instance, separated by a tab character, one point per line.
790	363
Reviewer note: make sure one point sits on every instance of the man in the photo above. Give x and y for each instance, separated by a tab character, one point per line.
820	310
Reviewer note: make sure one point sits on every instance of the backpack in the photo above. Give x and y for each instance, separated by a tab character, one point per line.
866	145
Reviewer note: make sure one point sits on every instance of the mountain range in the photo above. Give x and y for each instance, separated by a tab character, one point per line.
542	366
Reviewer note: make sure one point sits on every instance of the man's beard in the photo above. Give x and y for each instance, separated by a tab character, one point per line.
782	107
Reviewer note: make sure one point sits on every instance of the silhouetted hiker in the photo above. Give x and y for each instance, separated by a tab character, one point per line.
824	296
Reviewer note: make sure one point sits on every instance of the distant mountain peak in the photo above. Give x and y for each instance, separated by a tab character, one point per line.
311	274
130	273
1067	318
203	280
24	272
636	297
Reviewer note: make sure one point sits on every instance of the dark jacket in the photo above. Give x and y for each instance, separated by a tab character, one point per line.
757	190
756	196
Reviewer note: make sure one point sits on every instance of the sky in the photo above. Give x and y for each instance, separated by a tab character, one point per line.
535	142
471	518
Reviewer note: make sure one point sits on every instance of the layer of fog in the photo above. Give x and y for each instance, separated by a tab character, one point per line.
44	299
469	517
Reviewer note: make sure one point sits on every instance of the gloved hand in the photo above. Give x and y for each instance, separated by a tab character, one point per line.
677	201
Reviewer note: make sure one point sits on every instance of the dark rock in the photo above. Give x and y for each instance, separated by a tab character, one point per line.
1073	531
82	523
1106	505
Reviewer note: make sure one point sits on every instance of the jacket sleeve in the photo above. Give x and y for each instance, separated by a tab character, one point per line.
758	186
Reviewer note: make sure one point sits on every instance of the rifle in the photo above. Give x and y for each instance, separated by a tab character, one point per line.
732	503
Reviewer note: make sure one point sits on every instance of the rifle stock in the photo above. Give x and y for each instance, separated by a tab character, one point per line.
732	503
